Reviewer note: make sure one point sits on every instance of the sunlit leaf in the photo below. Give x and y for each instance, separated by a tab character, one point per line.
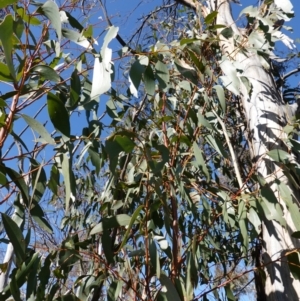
46	72
51	11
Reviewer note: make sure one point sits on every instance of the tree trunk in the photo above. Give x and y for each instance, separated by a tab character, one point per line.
265	116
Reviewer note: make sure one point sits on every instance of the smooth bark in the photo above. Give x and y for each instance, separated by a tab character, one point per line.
266	117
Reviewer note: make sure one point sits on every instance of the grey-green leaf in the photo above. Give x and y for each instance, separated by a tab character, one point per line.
15	236
51	11
39	128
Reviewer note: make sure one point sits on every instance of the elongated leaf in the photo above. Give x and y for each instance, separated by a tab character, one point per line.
294	264
4	3
202	121
171	292
73	22
68	179
39	128
200	161
149	80
20	183
5	74
136	73
210	17
162	74
51	11
46	72
75	89
39	217
14	288
221	96
125	142
132	221
6	37
15	236
58	114
77	38
112	222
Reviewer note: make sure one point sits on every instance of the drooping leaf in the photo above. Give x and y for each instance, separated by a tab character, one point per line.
136	73
51	11
294	264
58	114
20	183
162	74
221	96
5	74
39	128
200	161
6	37
73	22
77	38
15	236
149	81
75	89
171	292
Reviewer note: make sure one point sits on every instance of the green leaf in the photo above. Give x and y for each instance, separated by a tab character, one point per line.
279	155
51	11
39	180
112	222
58	114
221	96
294	264
15	236
114	290
5	74
76	37
203	121
227	33
73	22
162	75
149	81
200	161
217	145
210	17
70	188
6	37
171	292
39	217
270	206
28	19
96	159
4	3
129	228
75	89
136	73
20	183
39	128
14	288
286	195
125	142
154	258
46	72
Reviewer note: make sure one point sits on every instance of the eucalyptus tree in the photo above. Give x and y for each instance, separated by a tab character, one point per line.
186	190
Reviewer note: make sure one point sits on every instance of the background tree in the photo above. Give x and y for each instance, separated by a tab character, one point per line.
185	188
